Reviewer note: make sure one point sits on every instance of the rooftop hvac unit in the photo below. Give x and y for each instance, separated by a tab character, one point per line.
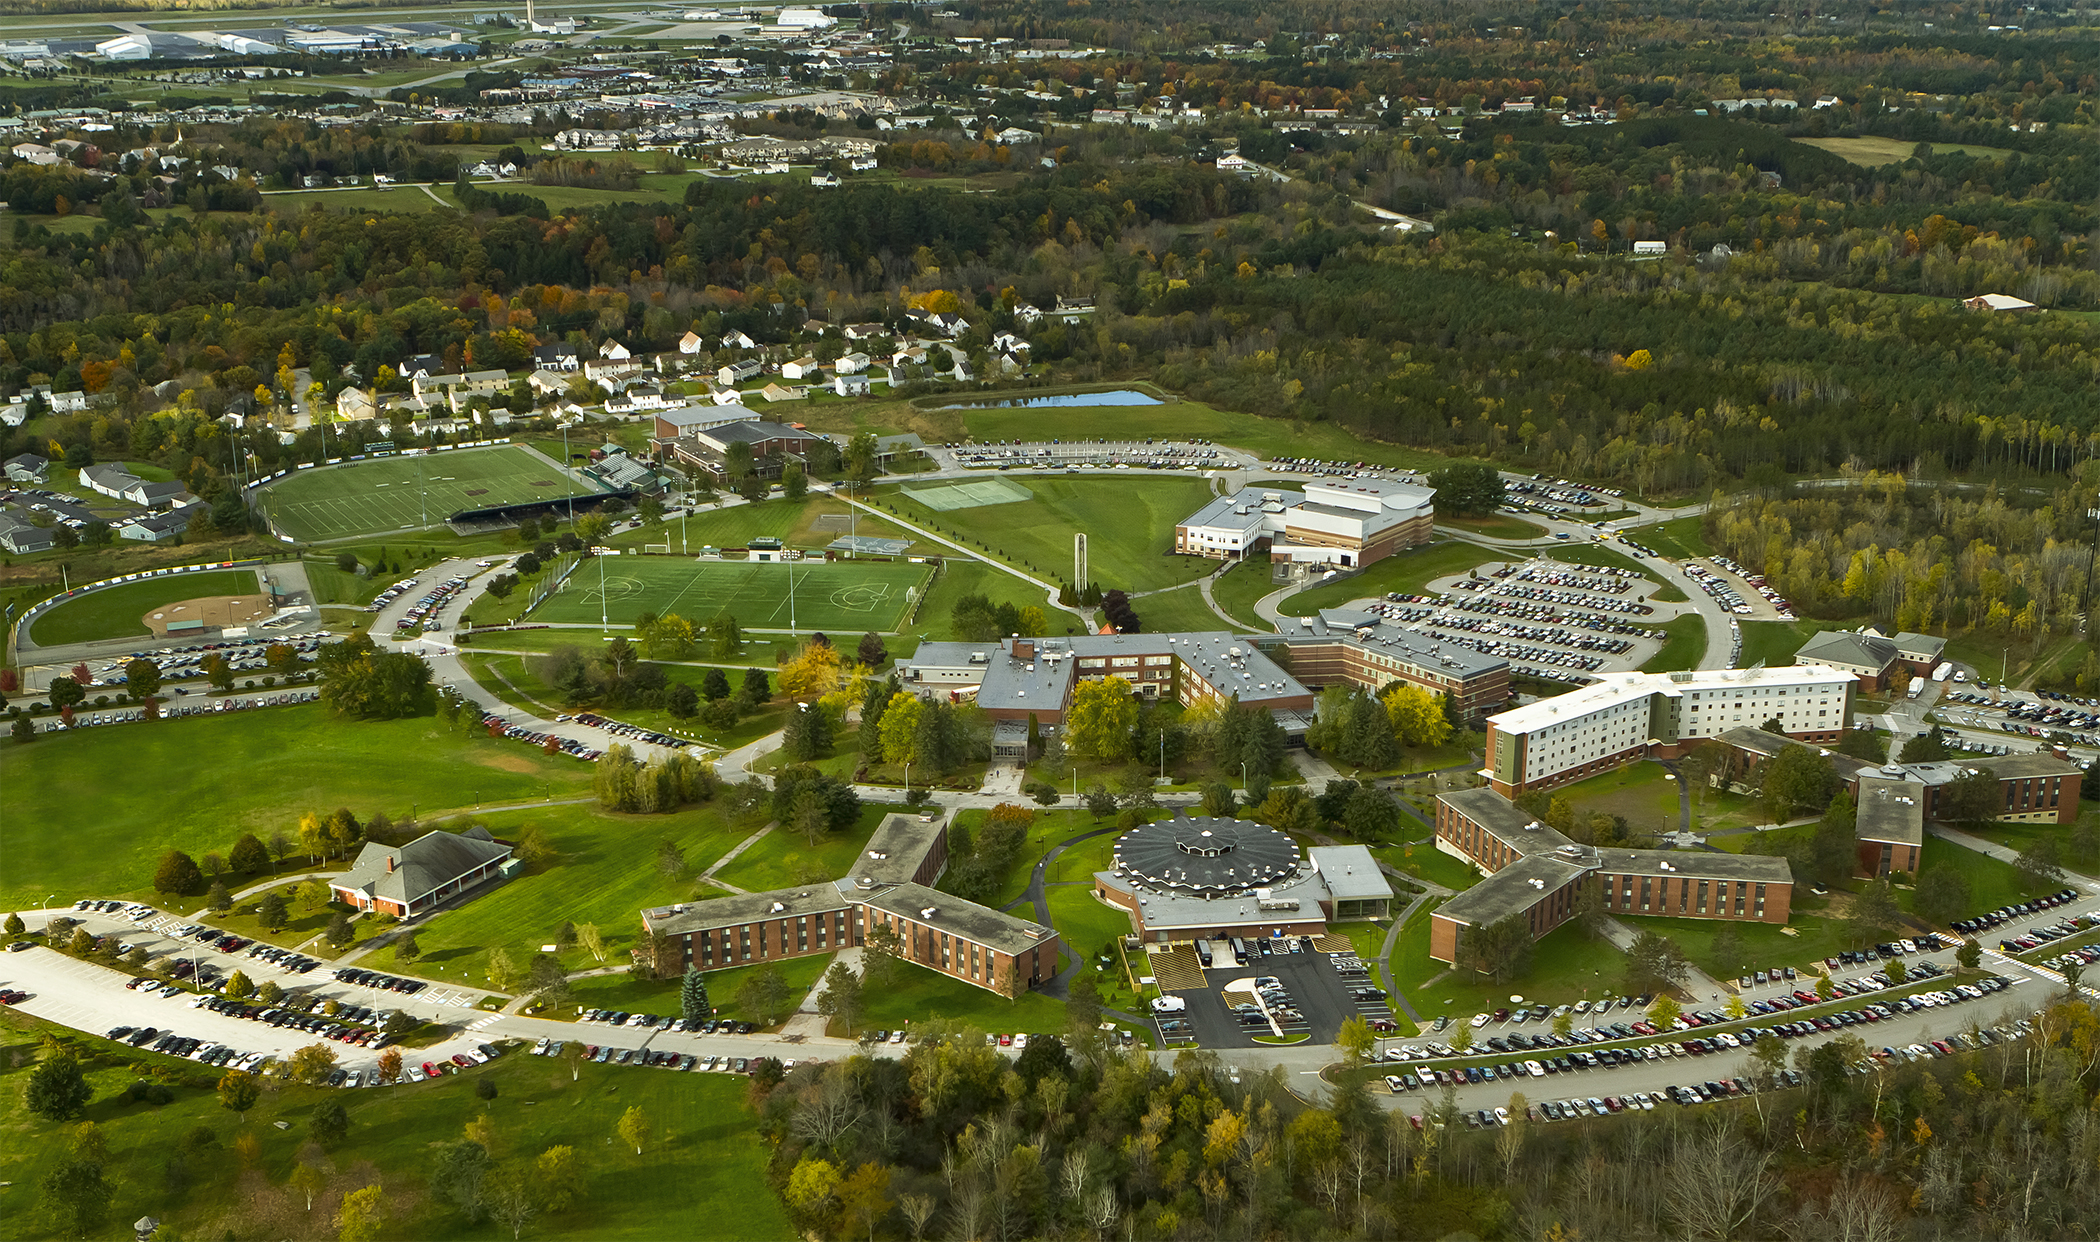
1538	884
777	907
928	912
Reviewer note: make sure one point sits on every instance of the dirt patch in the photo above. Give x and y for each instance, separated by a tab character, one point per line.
506	762
478	491
544	483
215	611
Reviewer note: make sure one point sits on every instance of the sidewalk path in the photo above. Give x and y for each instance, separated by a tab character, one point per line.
708	876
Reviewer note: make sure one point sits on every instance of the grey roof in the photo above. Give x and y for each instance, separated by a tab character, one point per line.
739	908
2004	767
1842	647
754	431
1228	510
109	475
1510	823
1510	890
958	917
1697	865
1206	856
896	848
1350	872
1759	742
1395	642
1025	685
421	867
1167	910
1891	810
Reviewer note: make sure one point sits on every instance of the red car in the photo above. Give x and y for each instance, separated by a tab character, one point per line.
461	1061
429	1070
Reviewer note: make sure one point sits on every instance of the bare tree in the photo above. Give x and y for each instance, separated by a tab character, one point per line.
1718	1183
917	1209
827	1111
966	1207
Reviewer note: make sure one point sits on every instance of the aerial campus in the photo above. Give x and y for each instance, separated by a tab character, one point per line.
1166	622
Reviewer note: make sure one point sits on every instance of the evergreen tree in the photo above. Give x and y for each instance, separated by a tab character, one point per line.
693	1004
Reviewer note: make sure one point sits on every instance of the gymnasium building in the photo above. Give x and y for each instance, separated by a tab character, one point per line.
1345	522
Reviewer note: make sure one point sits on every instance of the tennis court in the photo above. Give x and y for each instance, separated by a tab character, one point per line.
972	495
411	493
847	596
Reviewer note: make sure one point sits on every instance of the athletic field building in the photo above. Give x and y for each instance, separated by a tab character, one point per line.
891	886
1627	716
1538	874
1184	880
1018	678
773	445
1347	522
408	880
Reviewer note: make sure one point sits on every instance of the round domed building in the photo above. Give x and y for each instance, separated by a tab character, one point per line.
1206	878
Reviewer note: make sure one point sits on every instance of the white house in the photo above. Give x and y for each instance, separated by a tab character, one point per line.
801	368
824	181
851	384
851	364
737	372
557	357
734	339
548	383
355	404
690	343
613	351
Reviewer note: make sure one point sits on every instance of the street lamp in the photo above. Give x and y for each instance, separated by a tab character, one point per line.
47	901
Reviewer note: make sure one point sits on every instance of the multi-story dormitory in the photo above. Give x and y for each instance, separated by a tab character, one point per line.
891	885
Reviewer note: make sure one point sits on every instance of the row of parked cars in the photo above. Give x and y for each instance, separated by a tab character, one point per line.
620	728
1423	1080
244	654
373	979
346	1027
2036	937
2006	914
659	1058
519	733
649	1021
203	1051
428	606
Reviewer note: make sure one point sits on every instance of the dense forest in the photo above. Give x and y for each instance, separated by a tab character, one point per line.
1073	1140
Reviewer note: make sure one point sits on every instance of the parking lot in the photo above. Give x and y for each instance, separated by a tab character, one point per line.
1308	993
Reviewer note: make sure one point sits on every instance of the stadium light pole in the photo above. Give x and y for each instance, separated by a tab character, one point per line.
604	616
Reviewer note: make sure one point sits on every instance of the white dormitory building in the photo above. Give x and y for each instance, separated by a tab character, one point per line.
1632	715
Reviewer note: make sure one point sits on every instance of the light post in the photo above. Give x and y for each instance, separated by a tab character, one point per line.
604	621
907	778
565	465
47	902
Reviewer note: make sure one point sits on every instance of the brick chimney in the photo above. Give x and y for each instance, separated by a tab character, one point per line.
2061	753
1024	648
390	864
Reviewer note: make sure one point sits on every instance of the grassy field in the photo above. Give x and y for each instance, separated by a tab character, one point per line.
919	994
362	198
782	858
2001	658
1425	860
1773	643
118	611
1566	966
77	825
1872	152
411	493
840	596
510	679
607	872
794	522
1679	538
1684	648
1644	793
1178	611
1991	883
1495	525
935	618
1133	551
1240	589
1407	572
700	1165
1763	945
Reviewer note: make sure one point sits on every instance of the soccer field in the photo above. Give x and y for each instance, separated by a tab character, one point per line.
411	493
845	596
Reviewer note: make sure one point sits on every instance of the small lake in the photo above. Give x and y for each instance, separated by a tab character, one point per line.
1120	397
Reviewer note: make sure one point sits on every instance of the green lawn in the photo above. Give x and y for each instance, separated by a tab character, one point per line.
934	618
1495	525
1424	859
1133	551
700	1165
1642	792
1763	945
843	597
510	679
1999	658
363	198
1240	588
1991	883
1407	572
919	994
118	611
793	521
660	996
1773	643
1181	420
1178	611
1680	539
782	858
606	874
390	494
1683	649
90	813
1565	966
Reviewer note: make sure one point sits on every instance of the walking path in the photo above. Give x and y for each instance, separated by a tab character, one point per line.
1391	946
1050	591
2003	853
745	844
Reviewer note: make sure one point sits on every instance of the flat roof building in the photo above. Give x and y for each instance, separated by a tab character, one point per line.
1346	522
1205	878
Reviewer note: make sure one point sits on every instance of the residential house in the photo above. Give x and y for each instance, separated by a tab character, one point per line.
118	483
548	383
733	339
355	404
560	356
457	390
1008	343
848	364
1998	302
804	367
22	537
28	468
422	365
158	527
690	343
68	402
781	392
824	181
609	375
412	879
1026	314
612	351
850	384
737	372
865	331
36	153
913	354
636	400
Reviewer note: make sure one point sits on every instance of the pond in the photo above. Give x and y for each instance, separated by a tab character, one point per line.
1119	397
